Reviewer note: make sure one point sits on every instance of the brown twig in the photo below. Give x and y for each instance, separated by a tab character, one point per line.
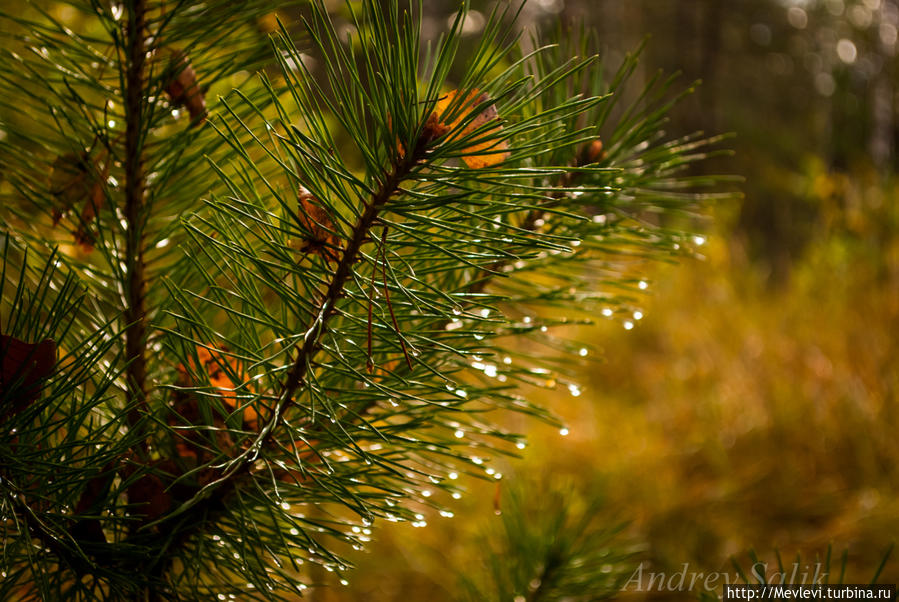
396	325
135	188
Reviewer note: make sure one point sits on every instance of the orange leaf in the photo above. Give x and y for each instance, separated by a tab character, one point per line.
182	88
448	118
68	182
92	206
76	178
213	363
149	497
24	366
318	225
595	151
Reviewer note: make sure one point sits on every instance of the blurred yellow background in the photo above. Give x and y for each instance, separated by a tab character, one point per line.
754	404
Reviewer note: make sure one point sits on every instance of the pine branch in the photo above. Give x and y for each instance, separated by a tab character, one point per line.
262	395
553	563
205	504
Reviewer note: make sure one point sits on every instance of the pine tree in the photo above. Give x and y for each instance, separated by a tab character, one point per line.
234	340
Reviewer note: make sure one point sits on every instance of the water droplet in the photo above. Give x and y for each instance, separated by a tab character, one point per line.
459	433
344	582
564	432
457	495
638	315
285	506
699	240
606	312
294	531
426	493
583	352
521	445
457	311
628	325
643	285
847	51
453	476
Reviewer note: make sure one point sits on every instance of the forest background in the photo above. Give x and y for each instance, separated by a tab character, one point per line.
753	405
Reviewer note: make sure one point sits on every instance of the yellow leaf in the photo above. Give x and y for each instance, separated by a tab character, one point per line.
481	154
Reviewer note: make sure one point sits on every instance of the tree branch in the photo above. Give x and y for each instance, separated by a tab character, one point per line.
207	505
135	186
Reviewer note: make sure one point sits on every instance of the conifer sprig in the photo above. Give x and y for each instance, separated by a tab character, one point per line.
306	300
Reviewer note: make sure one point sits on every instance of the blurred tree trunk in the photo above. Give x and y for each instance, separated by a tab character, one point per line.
883	129
712	26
